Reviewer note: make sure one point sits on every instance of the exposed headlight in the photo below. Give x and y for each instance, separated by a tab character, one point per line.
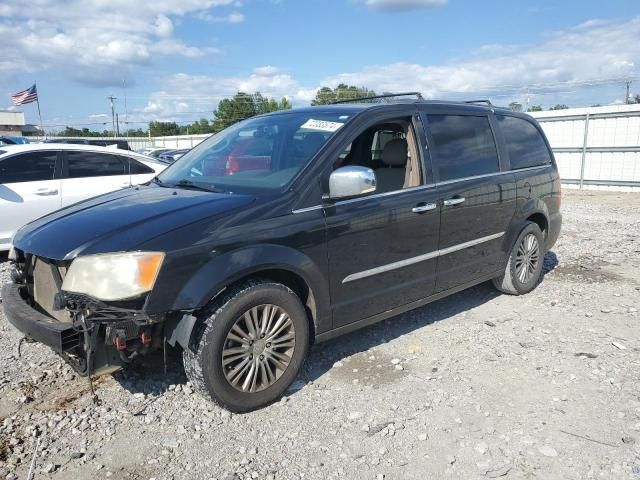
13	255
113	276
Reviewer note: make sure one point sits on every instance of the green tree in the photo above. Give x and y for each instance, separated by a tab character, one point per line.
559	106
76	132
202	126
635	99
163	129
244	105
327	95
535	108
138	132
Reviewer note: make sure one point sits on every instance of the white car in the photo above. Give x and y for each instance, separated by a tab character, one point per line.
153	151
38	179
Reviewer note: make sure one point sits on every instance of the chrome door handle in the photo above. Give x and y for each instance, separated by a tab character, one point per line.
453	201
46	191
424	207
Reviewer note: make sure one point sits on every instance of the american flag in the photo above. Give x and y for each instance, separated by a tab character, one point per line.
25	96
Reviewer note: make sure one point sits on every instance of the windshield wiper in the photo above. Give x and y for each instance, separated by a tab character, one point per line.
185	183
157	181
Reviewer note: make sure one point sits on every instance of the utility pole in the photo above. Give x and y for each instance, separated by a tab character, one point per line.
126	113
117	124
113	113
626	98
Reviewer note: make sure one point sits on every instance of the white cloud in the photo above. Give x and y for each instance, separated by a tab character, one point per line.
585	54
189	97
96	40
588	54
266	70
233	17
401	5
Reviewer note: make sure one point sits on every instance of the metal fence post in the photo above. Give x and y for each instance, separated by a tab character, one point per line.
584	149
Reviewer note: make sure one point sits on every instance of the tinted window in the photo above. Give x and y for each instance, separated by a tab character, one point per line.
92	164
525	144
28	167
137	168
463	146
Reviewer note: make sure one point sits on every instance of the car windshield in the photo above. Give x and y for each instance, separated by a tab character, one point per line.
261	153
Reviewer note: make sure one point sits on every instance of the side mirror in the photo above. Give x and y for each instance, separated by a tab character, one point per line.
351	181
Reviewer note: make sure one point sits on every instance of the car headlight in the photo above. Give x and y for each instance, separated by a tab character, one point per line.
113	276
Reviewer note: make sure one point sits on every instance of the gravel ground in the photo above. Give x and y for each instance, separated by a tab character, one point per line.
478	385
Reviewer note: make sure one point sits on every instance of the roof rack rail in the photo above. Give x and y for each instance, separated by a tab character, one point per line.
487	102
373	97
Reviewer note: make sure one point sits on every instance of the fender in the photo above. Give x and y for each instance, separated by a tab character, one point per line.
531	206
229	267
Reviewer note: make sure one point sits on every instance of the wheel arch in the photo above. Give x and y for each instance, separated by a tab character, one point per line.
280	264
533	210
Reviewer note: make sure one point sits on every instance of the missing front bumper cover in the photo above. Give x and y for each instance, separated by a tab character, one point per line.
85	342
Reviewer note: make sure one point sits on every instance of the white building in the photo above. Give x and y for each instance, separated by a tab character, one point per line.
11	123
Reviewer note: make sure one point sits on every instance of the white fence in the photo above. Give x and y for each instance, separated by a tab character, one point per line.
596	148
178	141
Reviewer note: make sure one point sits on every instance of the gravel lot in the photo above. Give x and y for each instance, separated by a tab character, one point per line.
478	385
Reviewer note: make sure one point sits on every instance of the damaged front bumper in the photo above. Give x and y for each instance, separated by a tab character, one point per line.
61	337
98	339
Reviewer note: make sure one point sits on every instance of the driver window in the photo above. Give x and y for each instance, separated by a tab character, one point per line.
390	150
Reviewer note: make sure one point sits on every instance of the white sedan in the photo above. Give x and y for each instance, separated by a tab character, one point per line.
38	179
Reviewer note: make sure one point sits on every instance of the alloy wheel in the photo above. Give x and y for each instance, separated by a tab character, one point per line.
258	348
527	258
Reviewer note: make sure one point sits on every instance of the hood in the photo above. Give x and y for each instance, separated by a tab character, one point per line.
121	220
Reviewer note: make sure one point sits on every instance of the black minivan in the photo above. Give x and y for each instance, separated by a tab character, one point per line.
287	229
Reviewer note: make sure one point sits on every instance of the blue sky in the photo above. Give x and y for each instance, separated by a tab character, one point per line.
179	57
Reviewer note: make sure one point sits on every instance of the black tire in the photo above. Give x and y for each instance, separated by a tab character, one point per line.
510	281
203	360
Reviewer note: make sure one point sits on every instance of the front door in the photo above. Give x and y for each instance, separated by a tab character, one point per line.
383	247
477	195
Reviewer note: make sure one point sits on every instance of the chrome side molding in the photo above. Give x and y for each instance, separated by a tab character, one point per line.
420	258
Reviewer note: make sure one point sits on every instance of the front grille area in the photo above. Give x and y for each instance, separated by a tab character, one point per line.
47	283
43	280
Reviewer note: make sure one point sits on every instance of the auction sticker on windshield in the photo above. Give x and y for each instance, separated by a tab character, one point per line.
321	125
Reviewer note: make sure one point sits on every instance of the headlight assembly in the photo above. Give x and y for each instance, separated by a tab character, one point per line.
114	276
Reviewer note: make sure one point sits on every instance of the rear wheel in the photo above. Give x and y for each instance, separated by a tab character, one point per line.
250	346
524	266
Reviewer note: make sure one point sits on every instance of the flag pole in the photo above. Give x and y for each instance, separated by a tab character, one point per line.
39	114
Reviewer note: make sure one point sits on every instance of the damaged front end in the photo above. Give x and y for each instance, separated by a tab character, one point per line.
94	336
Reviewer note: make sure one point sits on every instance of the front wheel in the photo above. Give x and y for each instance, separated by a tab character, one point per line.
249	347
524	266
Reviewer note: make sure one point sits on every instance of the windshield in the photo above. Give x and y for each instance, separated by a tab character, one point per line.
262	153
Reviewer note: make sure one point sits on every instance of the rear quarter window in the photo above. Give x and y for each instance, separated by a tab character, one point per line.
137	168
525	144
